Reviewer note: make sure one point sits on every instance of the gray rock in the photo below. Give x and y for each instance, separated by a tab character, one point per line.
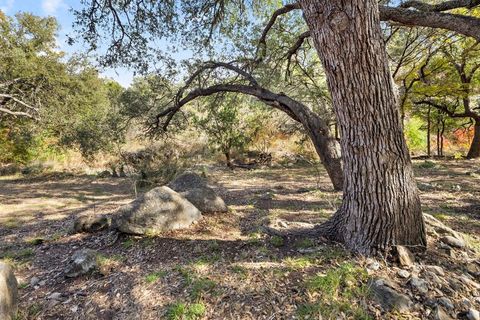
435	269
403	273
205	199
445	302
434	279
91	223
161	209
453	241
374	266
8	293
388	298
473	314
82	262
419	284
469	282
473	268
440	314
405	257
55	296
34	281
466	303
187	181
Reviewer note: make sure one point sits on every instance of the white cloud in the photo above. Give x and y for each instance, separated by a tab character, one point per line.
50	7
6	5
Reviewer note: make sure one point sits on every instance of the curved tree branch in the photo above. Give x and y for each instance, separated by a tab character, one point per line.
443	6
466	25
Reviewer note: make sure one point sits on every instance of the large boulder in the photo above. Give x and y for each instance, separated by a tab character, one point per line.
160	209
205	199
196	190
187	181
8	293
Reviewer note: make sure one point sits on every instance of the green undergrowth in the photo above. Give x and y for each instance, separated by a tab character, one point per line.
342	290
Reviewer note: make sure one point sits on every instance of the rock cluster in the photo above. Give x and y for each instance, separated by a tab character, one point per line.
171	207
175	206
444	288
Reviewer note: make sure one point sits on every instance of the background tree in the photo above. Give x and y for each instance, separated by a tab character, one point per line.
49	104
224	118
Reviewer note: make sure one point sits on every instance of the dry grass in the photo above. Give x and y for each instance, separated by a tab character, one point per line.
224	267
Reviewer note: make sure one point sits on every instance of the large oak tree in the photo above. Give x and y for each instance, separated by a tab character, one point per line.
380	205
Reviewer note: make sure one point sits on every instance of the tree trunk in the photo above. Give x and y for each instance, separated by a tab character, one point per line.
438	137
429	147
442	133
474	151
228	159
380	205
328	150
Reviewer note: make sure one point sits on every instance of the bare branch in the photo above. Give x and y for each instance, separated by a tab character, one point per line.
452	114
17	113
466	25
443	6
262	42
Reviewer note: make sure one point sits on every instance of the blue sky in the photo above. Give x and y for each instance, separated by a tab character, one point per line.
60	9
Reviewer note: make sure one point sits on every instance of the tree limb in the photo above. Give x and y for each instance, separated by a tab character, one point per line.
466	25
452	114
443	6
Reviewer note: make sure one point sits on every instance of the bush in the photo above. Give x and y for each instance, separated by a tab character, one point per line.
157	164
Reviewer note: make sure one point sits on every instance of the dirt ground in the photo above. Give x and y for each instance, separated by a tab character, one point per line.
222	268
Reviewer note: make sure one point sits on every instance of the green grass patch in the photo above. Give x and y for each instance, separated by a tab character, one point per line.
277	241
239	270
304	244
128	243
182	311
201	286
35	241
340	289
11	223
155	276
427	164
299	263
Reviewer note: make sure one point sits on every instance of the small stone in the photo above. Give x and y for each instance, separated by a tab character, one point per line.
473	268
445	302
419	284
82	262
403	274
473	314
42	283
374	266
435	280
34	281
435	269
388	298
55	296
466	280
454	242
405	257
440	314
466	303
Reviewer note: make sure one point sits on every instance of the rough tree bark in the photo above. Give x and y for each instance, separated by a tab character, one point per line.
381	206
474	151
